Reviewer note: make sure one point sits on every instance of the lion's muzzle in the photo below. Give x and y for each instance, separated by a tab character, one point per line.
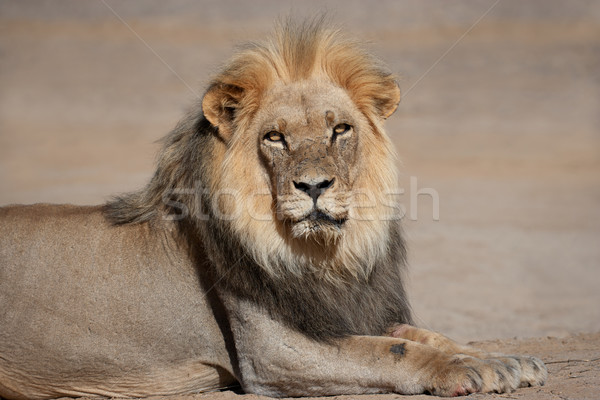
314	208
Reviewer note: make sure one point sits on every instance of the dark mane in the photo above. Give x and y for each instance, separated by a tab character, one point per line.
180	165
320	309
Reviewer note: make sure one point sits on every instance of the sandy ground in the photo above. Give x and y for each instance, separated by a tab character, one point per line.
500	122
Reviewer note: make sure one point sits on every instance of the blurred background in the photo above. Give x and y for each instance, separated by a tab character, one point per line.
500	119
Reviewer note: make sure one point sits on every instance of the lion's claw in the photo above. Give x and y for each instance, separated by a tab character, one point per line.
533	371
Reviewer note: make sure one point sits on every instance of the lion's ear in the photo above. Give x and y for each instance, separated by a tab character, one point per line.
219	106
387	100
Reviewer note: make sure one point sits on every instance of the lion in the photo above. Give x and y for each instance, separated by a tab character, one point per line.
265	251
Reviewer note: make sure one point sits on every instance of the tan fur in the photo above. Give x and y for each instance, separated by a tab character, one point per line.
265	250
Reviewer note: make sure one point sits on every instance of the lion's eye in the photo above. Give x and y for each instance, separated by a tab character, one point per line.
274	136
341	129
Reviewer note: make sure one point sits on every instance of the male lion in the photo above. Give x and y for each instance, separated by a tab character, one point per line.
265	250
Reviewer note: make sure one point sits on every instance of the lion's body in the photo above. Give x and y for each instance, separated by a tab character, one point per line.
90	308
266	249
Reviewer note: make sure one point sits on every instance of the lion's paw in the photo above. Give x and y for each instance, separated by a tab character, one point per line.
533	371
464	375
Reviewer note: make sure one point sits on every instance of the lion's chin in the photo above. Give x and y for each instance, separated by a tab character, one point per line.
319	227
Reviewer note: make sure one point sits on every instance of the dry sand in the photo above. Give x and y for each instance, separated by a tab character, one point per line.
500	118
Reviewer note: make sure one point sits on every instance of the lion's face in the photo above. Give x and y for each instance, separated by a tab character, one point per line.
306	174
308	138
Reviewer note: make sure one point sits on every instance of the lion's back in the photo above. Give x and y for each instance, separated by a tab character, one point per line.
36	234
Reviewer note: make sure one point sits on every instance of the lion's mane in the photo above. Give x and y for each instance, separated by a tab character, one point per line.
352	286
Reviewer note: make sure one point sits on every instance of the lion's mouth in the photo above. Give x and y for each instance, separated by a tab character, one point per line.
321	217
318	224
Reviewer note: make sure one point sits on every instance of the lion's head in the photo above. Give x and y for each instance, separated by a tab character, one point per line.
303	148
296	163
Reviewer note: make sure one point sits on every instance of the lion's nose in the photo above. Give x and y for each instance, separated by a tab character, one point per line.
314	190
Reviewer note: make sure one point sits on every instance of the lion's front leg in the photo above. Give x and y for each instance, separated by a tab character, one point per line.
277	361
434	339
531	370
